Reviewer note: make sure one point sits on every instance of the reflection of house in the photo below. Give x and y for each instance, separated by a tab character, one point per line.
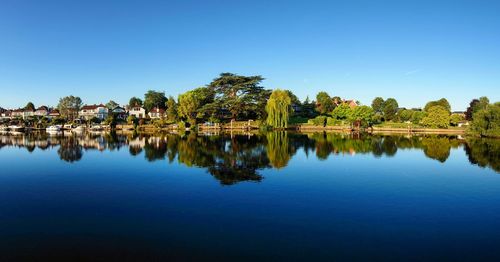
42	111
120	113
137	111
90	111
156	113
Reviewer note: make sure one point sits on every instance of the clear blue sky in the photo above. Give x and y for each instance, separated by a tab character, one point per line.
414	51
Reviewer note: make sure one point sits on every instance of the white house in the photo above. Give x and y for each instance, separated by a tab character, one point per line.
156	113
90	111
42	111
137	111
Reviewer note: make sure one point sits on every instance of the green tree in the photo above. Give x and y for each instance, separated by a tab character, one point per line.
404	115
486	122
30	106
193	104
154	99
241	96
456	118
342	112
278	109
437	117
441	102
417	116
171	109
378	104
362	115
111	105
134	101
389	108
324	103
68	106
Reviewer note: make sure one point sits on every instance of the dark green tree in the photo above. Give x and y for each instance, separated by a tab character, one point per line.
390	107
30	106
134	101
154	99
68	106
378	104
324	103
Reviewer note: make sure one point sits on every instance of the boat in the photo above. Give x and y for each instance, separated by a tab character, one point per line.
55	128
16	128
68	127
96	128
78	129
4	128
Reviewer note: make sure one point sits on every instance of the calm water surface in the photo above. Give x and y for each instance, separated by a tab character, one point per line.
277	196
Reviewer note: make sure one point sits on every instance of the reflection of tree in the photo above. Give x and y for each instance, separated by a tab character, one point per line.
484	152
437	147
277	149
69	150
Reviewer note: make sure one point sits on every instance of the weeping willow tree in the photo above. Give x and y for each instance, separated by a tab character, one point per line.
278	109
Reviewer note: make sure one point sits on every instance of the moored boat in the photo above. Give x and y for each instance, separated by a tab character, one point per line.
16	128
55	128
96	128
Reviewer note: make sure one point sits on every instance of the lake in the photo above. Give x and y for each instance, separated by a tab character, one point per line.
224	197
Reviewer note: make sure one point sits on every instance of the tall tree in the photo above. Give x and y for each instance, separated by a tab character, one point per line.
154	99
362	115
342	112
134	101
171	109
486	121
111	105
68	106
441	102
437	117
378	104
242	96
30	106
324	103
192	103
278	109
390	107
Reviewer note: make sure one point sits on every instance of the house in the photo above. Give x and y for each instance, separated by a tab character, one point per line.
156	113
17	113
28	113
6	114
350	103
137	111
54	113
42	111
88	112
120	113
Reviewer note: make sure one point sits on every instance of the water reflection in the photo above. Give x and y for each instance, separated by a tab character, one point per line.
235	158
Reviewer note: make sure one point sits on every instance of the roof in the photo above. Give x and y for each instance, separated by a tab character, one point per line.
91	107
157	110
54	112
42	108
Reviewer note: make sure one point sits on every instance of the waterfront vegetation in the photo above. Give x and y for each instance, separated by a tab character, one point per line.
232	98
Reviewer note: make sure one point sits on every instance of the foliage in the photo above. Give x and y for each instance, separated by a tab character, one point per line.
437	117
30	106
95	120
476	105
342	112
417	116
456	118
441	102
404	115
193	104
241	96
378	104
134	101
68	106
278	109
486	122
324	103
171	109
111	105
132	120
389	108
154	99
361	114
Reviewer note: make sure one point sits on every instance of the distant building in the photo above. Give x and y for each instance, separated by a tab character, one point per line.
137	111
17	113
350	103
120	113
54	113
88	112
42	111
156	113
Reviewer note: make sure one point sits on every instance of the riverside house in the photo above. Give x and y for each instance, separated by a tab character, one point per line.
156	113
120	113
88	112
137	111
42	111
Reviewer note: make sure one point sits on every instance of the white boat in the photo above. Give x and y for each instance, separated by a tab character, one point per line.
68	127
96	128
4	128
16	128
79	129
55	128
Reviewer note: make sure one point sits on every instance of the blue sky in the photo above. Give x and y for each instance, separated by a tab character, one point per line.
414	51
